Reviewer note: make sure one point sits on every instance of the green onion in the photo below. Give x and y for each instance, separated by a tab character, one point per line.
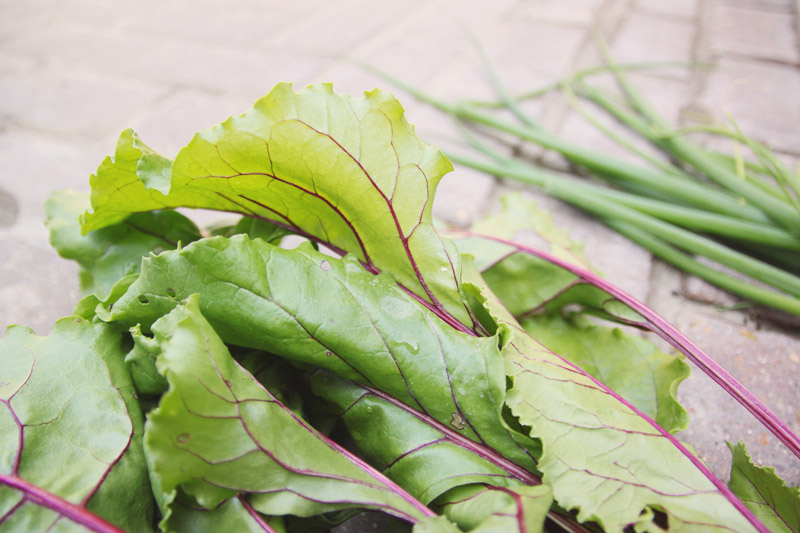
696	203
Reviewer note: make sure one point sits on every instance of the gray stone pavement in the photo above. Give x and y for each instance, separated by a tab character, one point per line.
74	73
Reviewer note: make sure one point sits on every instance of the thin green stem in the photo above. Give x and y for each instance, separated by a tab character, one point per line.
572	98
775	167
668	185
607	209
656	137
682	149
585	73
725	281
509	102
566	88
687	217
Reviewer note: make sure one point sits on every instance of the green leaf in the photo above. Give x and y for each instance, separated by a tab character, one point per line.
255	228
235	514
254	295
532	286
364	329
485	508
529	285
218	432
347	172
631	464
521	219
435	524
135	179
628	364
70	431
141	361
424	456
543	296
88	306
772	500
111	253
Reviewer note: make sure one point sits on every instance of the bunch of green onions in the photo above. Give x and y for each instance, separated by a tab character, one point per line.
743	216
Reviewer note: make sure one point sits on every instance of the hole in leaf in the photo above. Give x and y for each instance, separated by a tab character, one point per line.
183	438
325	265
328	353
457	421
143	299
661	519
171	293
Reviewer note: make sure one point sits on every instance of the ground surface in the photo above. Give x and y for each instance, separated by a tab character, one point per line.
74	73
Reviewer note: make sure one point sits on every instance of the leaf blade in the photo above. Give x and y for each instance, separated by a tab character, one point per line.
214	436
629	365
263	297
619	478
347	172
67	398
486	508
768	496
108	254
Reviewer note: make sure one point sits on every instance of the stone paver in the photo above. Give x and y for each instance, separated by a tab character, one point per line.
9	209
74	73
753	32
675	8
765	360
651	38
760	96
37	288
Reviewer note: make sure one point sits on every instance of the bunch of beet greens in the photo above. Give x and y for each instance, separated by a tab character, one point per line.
215	381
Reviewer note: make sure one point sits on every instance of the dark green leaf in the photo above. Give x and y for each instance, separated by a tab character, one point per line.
424	456
538	291
141	361
255	228
115	251
530	285
631	464
485	508
364	328
234	515
218	433
69	427
774	502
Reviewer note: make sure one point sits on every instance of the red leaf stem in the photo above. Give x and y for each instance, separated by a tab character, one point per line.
76	513
658	325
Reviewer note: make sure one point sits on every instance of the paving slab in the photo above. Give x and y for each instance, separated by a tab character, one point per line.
675	8
35	288
762	356
9	209
650	38
57	92
754	32
761	97
782	6
33	164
